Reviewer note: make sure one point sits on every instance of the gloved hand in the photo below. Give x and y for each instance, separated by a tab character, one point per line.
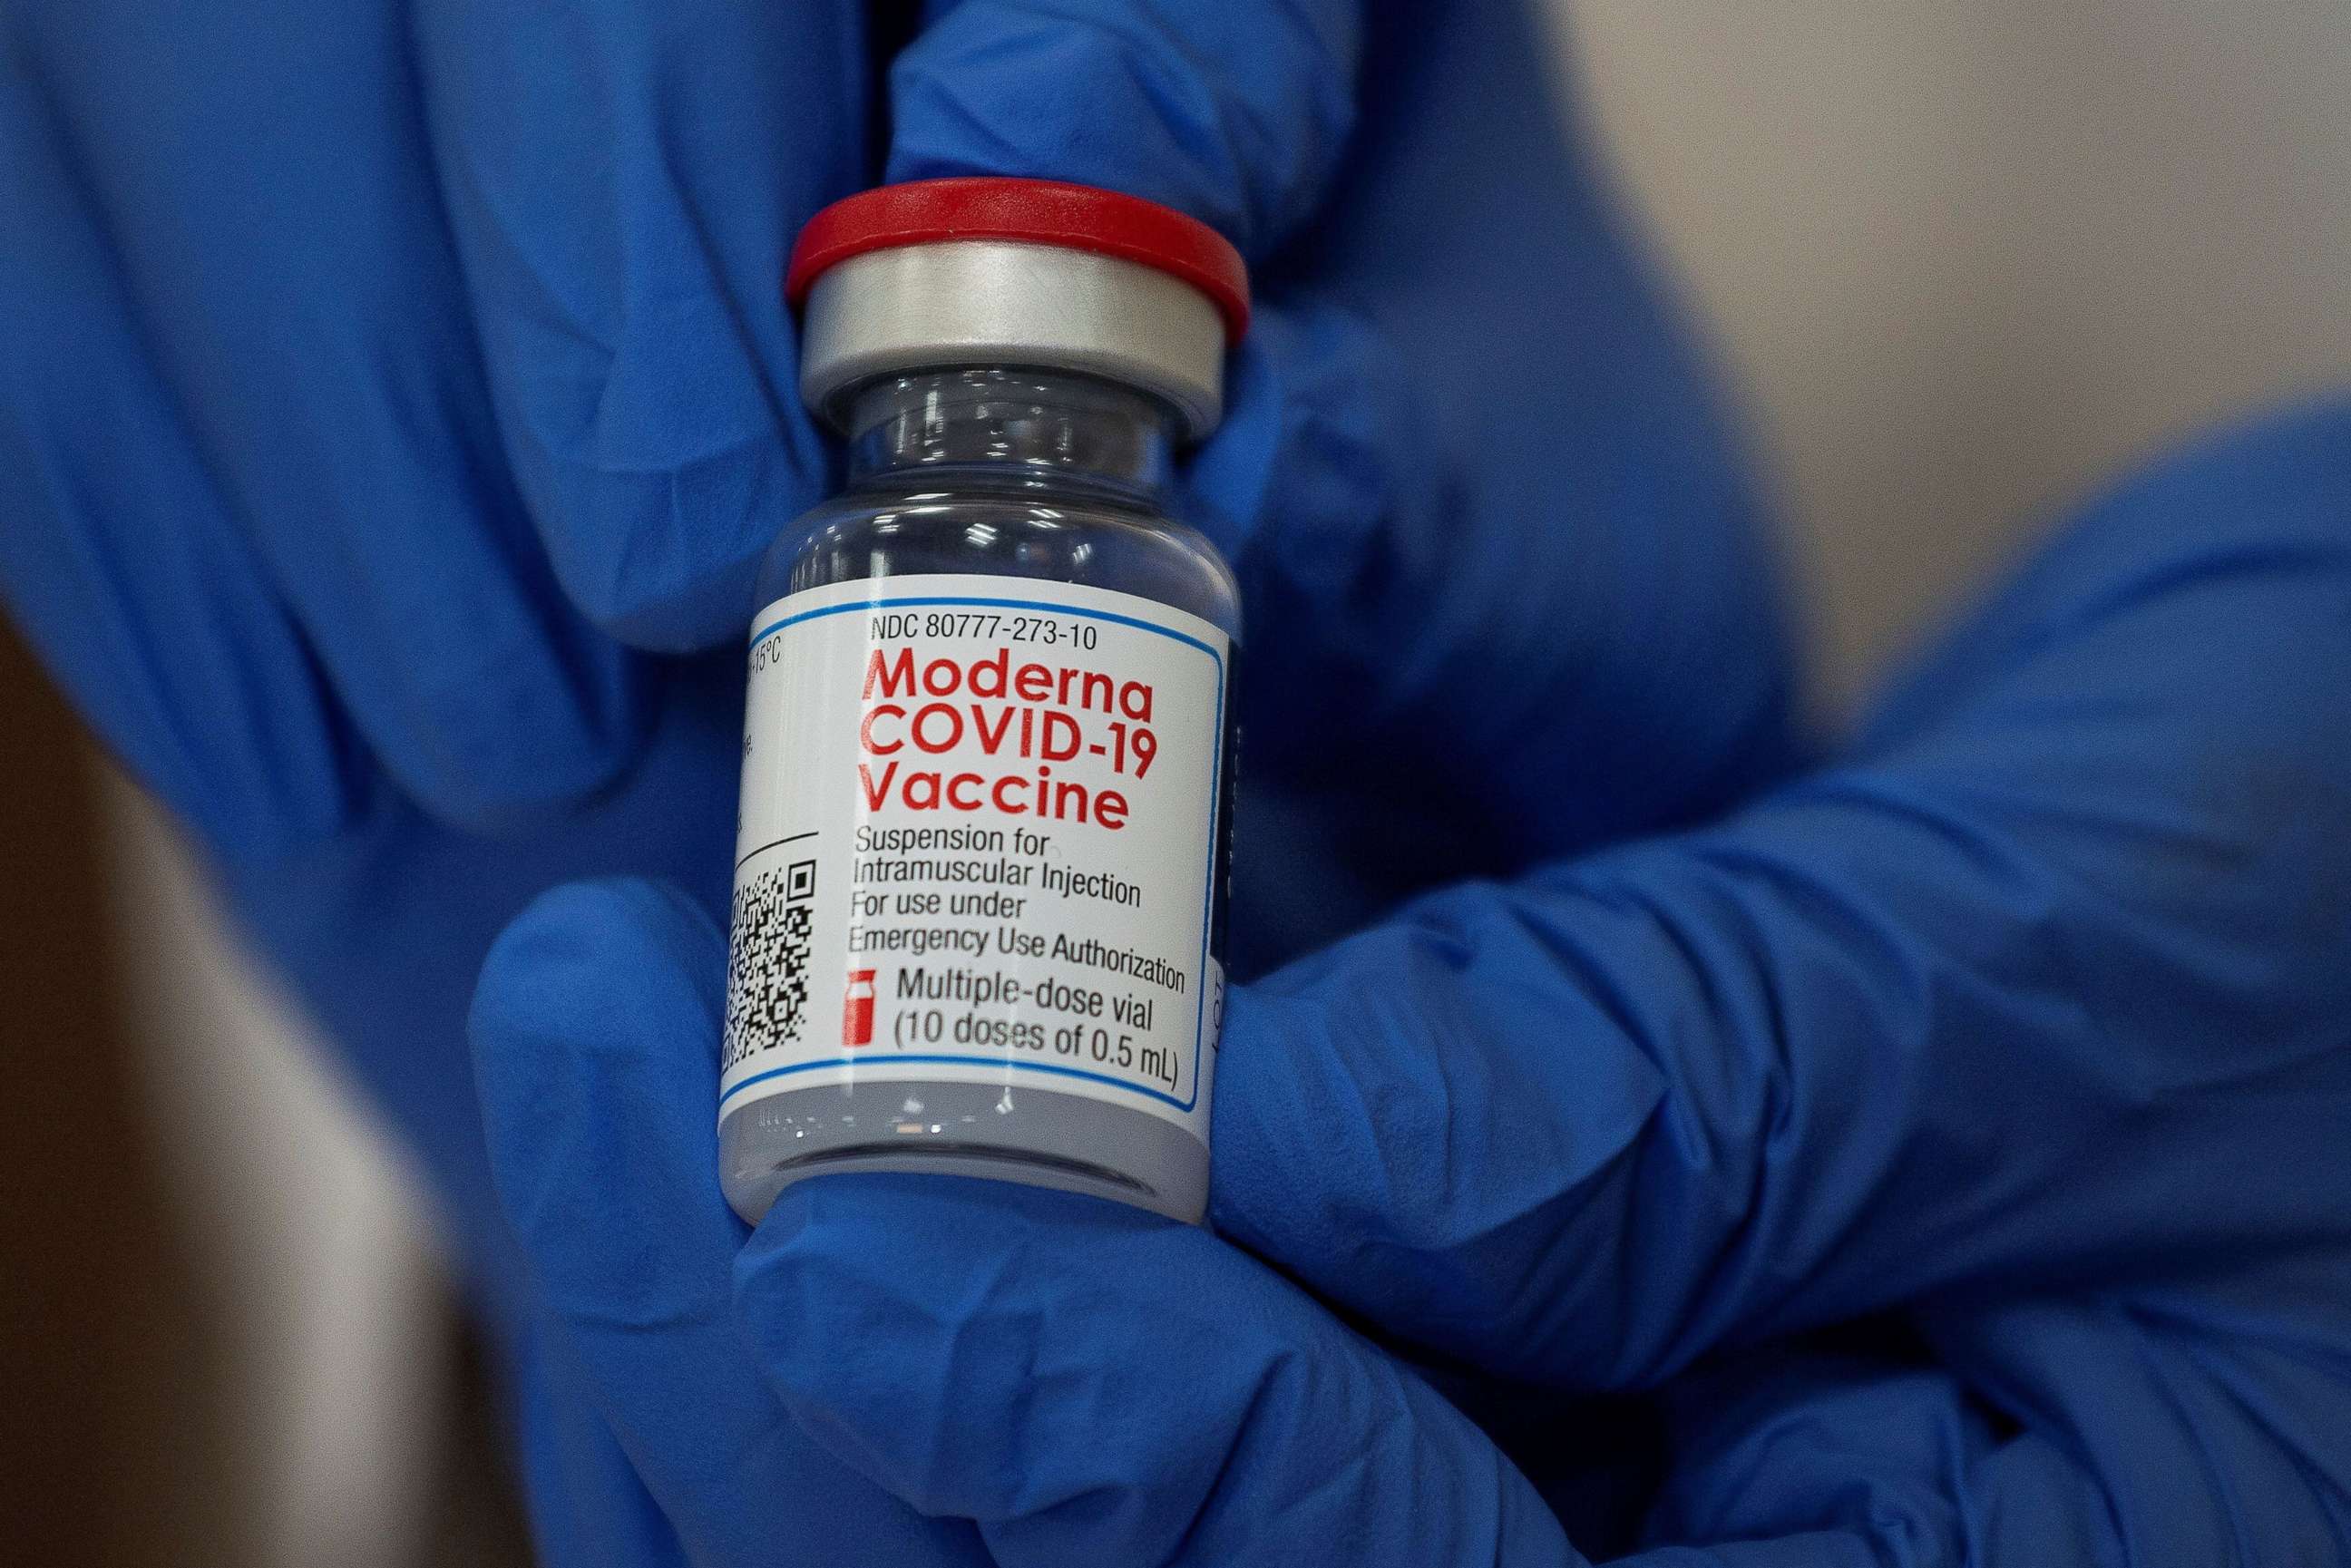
1942	1159
370	371
387	392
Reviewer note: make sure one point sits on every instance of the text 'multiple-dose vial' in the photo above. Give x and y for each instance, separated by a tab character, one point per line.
988	756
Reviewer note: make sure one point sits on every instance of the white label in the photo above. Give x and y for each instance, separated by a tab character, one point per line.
979	841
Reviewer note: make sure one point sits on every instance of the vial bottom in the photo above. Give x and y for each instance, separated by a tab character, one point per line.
1034	1136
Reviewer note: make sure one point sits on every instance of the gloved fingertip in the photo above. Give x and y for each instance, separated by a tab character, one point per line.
629	304
567	938
1405	1125
592	1027
668	560
1234	114
587	962
496	738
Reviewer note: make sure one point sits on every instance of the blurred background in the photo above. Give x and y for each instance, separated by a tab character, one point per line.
1957	263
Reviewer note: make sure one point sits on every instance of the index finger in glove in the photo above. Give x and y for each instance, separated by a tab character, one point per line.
2045	981
623	182
270	234
1488	531
1507	591
1236	113
189	667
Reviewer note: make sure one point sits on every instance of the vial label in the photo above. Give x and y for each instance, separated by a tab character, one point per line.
980	842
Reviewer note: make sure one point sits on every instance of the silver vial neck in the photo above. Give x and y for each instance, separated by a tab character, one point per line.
999	302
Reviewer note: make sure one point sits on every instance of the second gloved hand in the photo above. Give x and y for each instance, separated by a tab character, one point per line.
2023	1024
1172	1391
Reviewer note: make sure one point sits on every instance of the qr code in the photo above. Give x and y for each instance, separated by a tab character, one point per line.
766	975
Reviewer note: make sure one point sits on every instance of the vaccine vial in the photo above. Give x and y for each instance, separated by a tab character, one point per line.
988	749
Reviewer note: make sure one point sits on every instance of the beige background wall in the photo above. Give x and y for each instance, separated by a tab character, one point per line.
1965	259
1960	260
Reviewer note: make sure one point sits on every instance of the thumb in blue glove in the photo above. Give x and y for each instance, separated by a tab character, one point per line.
605	1166
1086	1383
2043	982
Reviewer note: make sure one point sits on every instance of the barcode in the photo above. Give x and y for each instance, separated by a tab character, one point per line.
766	975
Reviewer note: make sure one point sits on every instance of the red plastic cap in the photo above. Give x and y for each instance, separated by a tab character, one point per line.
1036	212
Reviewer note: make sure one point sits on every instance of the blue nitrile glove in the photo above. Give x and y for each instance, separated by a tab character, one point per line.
1943	1158
368	371
374	377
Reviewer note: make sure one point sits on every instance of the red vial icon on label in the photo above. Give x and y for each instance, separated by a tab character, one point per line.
857	1011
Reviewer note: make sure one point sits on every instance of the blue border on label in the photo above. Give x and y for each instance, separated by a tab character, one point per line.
1208	901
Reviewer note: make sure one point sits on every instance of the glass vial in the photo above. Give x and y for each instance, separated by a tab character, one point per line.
987	773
